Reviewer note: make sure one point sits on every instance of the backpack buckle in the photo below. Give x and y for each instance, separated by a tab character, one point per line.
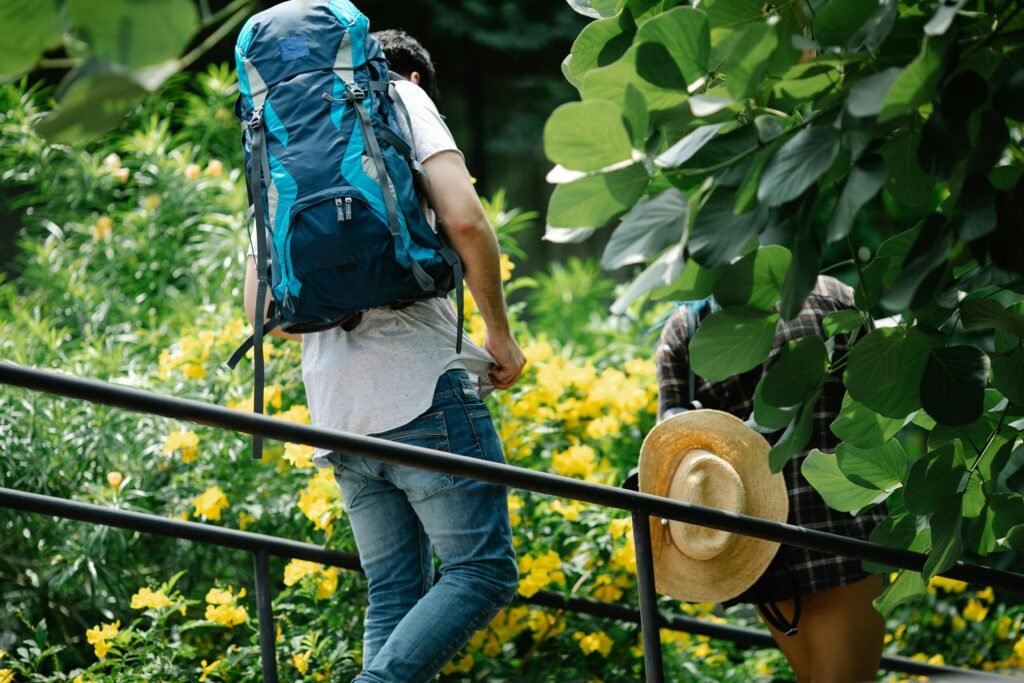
353	93
256	120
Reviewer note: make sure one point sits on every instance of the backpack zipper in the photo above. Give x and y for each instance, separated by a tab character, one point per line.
348	208
341	209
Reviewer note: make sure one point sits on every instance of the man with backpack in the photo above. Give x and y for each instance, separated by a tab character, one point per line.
394	370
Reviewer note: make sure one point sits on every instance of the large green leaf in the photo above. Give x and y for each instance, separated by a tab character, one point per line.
916	85
882	468
900	531
732	341
839	20
748	53
862	427
718	234
609	83
865	180
769	416
797	165
1002	512
649	227
983	314
634	111
798	372
755	280
934	479
885	369
907	181
874	32
695	282
732	14
595	200
594	9
661	273
794	439
803	272
684	33
907	586
587	136
921	272
947	538
724	151
842	322
655	66
838	491
135	33
953	385
866	95
944	15
1008	375
31	27
682	151
601	43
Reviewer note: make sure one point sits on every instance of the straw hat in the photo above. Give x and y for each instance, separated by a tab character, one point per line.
710	458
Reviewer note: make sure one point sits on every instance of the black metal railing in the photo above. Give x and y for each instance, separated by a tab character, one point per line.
641	506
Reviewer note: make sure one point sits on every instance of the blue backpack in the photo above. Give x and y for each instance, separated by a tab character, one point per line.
332	181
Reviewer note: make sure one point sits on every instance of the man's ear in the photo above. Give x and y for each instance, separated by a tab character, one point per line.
415	77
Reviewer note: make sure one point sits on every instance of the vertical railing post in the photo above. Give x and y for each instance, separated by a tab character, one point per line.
650	621
265	615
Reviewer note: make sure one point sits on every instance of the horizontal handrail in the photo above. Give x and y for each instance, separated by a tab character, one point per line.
189	410
24	501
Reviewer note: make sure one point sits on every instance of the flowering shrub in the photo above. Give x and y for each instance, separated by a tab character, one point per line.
136	278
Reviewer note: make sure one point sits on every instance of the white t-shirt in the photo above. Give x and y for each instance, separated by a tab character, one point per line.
381	375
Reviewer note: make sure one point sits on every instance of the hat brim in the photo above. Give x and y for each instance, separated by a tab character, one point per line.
746	558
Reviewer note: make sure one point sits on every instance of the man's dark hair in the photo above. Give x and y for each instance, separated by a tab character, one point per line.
405	54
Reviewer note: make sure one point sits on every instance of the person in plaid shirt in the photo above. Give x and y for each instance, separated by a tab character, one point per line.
840	633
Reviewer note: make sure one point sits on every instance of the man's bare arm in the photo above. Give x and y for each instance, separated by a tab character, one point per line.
460	213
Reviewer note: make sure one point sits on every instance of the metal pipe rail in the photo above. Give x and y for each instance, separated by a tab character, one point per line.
263	544
507	475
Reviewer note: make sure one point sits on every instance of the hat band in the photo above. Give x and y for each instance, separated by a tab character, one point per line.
703	478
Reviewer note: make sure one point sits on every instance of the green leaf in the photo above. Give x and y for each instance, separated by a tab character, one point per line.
797	165
803	272
984	314
842	322
733	13
885	369
600	43
900	531
718	234
974	497
769	416
755	280
655	65
732	341
135	34
634	111
822	471
796	436
748	57
798	372
976	210
746	196
934	479
944	15
839	20
1014	538
947	539
953	385
609	83
862	427
595	200
874	32
916	85
881	468
661	273
587	136
649	227
683	151
684	33
907	181
594	9
31	27
1001	514
908	586
1008	375
695	282
865	180
724	150
866	95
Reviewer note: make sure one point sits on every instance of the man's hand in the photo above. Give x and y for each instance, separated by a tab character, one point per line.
508	360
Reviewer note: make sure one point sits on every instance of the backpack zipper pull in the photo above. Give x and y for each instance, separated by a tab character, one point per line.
341	209
348	208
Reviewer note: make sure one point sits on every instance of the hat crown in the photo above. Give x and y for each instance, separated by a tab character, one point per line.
703	478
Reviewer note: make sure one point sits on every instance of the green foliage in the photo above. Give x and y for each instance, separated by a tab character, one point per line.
802	123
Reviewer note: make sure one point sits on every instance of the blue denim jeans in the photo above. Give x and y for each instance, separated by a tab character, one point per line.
399	513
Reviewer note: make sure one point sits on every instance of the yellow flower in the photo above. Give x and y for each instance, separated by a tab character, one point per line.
272	396
296	570
570	511
575	461
702	650
151	201
326	583
624	557
605	590
464	665
221	596
115	479
948	585
301	661
6	675
320	501
975	611
602	427
1003	628
299	455
226	615
1018	648
594	642
506	268
103	229
185	441
208	668
297	413
245	519
538	351
515	504
146	598
111	162
619	527
211	502
98	636
214	168
957	623
988	595
192	171
121	175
